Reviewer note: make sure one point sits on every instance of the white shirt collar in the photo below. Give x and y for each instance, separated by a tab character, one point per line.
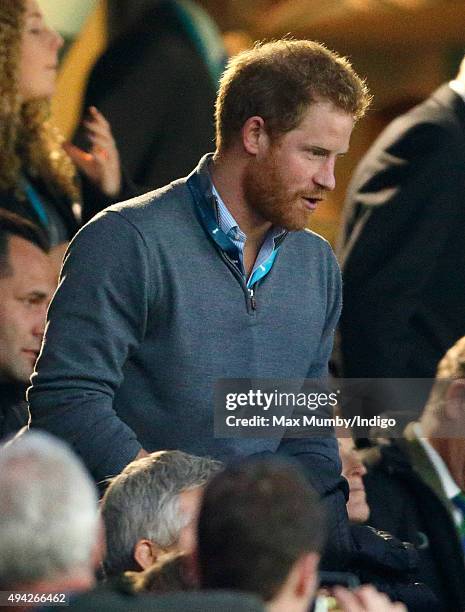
458	87
449	485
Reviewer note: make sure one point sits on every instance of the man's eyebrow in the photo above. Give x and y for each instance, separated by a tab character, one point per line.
33	15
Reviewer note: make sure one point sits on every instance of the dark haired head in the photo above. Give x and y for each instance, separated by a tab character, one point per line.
14	225
258	517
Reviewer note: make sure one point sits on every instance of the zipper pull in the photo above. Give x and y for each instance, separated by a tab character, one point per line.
253	302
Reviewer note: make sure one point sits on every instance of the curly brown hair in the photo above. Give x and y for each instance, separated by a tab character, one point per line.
28	140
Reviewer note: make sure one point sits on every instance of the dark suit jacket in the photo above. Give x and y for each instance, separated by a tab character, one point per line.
406	499
402	248
155	90
13	409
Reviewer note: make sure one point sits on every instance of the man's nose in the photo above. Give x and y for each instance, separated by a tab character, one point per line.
38	328
325	177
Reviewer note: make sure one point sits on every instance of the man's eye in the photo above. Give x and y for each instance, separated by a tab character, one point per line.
30	301
317	153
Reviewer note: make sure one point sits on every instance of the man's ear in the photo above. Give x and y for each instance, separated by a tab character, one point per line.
307	574
454	405
253	134
146	553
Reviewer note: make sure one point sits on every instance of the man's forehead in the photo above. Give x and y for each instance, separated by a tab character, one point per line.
316	111
326	125
21	252
29	262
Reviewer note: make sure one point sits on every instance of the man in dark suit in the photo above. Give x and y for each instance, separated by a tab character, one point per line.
415	484
402	247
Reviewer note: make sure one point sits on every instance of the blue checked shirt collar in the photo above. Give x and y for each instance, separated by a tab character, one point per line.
229	226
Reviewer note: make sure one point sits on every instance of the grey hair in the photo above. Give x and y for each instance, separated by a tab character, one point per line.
48	510
143	502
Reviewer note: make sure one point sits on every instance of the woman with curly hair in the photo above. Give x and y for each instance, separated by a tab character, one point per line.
37	173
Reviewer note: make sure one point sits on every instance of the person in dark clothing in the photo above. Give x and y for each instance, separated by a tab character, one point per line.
37	176
155	89
415	484
26	286
401	250
379	558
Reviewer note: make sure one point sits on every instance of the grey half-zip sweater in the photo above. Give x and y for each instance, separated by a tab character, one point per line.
148	315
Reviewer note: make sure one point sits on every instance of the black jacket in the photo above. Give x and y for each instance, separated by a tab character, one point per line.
402	502
391	565
402	248
13	409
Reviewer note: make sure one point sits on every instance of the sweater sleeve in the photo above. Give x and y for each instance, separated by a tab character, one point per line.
333	282
96	319
318	455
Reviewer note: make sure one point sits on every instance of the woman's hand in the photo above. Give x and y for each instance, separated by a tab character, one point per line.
102	164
